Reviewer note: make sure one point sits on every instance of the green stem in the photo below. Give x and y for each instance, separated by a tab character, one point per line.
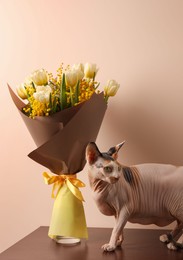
106	98
77	93
50	102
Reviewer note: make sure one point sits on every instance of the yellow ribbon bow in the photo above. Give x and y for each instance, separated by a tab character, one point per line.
59	180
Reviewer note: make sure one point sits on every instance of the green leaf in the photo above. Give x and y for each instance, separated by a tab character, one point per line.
94	76
63	97
71	96
97	86
54	106
33	86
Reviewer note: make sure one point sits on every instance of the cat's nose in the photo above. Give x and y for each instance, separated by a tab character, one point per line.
114	179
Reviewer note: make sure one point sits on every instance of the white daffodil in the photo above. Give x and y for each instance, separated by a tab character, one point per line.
90	70
40	77
21	91
42	93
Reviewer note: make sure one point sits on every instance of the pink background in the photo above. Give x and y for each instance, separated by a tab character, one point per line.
137	42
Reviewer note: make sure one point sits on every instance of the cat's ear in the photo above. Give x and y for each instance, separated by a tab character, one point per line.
92	153
113	151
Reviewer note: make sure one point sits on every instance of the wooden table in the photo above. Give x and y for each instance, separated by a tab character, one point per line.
139	244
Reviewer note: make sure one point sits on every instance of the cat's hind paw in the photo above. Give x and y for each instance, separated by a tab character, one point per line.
108	248
172	246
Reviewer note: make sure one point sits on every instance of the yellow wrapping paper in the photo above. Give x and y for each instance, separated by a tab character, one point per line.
68	218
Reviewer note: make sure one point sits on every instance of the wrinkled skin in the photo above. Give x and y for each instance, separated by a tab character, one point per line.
144	194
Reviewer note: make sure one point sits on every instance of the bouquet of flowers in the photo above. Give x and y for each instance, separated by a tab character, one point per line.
64	113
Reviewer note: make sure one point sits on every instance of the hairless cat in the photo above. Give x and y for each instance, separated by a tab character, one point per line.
145	194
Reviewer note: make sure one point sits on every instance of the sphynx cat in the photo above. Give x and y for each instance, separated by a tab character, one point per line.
144	194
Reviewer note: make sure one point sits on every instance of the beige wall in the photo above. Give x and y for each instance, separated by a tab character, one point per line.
137	42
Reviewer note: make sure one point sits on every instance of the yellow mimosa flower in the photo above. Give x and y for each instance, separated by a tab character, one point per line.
47	94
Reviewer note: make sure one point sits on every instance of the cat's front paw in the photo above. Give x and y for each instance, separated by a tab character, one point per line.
119	243
164	238
108	247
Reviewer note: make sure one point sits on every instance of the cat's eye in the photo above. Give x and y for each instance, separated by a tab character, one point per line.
119	168
108	169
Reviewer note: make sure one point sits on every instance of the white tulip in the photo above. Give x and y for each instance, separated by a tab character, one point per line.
71	78
78	66
28	81
21	91
80	70
90	70
42	93
40	77
111	89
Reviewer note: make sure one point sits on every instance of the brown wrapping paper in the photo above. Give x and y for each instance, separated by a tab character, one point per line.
62	138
